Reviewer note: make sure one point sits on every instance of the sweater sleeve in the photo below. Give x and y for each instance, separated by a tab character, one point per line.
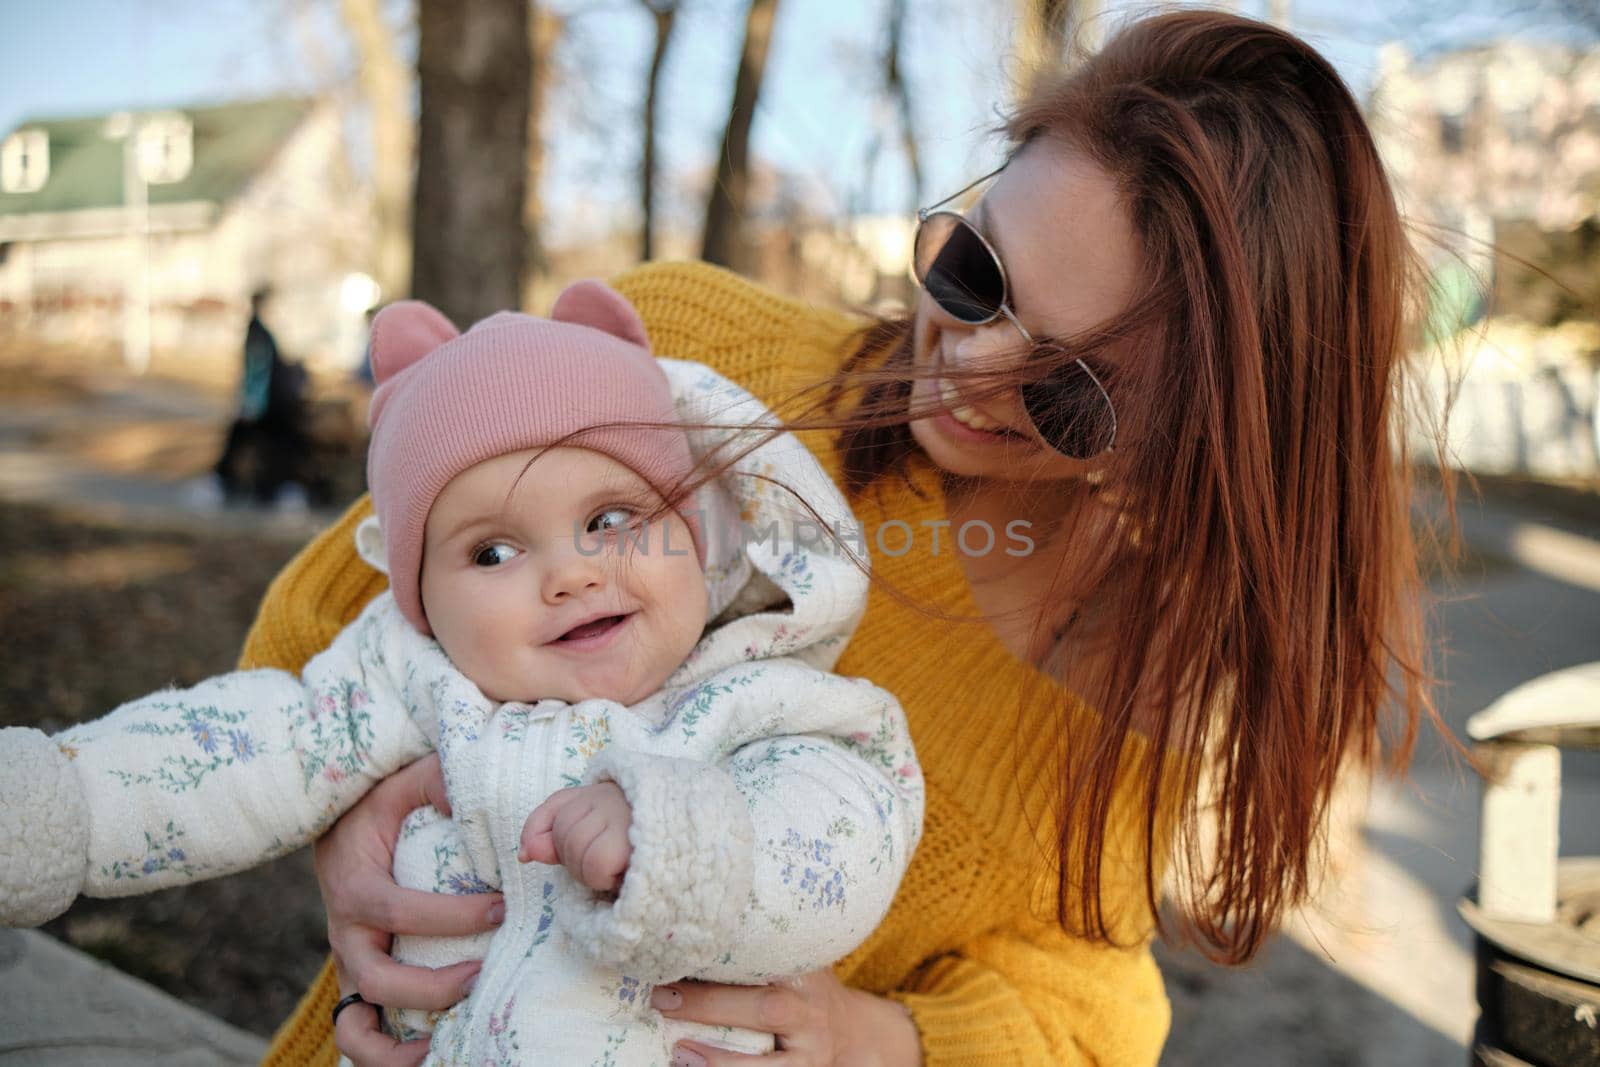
1027	991
188	784
314	597
1030	995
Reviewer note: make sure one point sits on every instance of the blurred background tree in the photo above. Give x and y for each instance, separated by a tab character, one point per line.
471	234
387	85
725	242
665	15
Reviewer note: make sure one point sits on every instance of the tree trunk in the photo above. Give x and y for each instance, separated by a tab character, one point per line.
724	241
665	13
474	68
386	85
895	83
545	29
1041	39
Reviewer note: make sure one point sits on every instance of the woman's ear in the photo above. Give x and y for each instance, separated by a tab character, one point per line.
369	544
592	303
404	332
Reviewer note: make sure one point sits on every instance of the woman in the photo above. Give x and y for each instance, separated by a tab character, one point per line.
1166	341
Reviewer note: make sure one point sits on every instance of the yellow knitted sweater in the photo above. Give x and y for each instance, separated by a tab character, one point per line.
971	946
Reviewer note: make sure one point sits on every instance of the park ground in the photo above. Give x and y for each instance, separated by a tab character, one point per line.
121	571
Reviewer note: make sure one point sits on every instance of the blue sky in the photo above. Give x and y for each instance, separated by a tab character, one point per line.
817	121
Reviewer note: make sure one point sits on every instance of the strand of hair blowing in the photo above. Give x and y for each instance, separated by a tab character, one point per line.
1276	574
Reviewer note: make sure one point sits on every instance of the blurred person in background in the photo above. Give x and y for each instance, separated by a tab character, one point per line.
266	443
1168	340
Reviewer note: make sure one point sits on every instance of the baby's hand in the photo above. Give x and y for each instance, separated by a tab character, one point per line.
585	829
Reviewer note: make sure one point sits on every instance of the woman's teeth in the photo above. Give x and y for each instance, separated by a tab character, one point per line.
965	415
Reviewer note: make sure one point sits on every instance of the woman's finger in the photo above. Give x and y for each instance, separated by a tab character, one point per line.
387	907
694	1054
772	1009
433	789
416	785
381	980
357	1035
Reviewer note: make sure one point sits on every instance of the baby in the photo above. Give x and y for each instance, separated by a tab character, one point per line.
629	694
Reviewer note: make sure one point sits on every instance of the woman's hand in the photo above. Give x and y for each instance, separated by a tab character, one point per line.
817	1020
355	864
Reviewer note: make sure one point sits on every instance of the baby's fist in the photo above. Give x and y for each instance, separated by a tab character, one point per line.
585	829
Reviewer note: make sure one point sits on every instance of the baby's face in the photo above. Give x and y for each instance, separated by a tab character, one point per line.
549	582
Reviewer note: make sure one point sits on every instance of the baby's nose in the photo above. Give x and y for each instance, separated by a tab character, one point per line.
571	574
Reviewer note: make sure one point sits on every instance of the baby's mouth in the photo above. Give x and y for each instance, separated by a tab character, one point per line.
593	628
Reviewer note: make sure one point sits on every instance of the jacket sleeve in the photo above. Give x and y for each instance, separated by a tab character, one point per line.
189	784
778	858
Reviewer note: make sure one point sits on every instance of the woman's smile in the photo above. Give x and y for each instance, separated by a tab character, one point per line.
970	417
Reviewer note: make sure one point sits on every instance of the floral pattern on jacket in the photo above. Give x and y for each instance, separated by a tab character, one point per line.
776	805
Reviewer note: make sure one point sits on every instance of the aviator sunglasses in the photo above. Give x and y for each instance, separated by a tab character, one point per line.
1069	408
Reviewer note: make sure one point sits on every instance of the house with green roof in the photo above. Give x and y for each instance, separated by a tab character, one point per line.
162	223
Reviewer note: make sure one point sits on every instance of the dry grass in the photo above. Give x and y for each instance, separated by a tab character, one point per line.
92	615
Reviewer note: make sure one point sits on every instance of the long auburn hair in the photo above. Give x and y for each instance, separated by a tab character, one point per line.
1264	593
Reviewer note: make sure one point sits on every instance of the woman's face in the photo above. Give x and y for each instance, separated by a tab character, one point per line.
1072	262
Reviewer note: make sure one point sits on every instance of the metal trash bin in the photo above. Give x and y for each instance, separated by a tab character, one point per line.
1535	914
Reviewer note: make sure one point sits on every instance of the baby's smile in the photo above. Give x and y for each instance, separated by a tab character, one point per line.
593	634
540	579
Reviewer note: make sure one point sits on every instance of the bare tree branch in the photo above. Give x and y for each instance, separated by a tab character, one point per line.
386	85
724	238
665	13
895	83
1042	39
544	29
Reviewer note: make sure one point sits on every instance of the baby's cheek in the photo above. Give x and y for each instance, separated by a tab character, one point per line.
692	600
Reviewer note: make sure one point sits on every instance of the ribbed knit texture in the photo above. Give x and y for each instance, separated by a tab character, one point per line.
971	946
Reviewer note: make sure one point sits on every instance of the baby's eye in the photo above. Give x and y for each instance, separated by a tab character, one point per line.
610	519
493	554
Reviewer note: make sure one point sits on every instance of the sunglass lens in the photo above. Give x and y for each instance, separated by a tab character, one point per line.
1071	411
958	270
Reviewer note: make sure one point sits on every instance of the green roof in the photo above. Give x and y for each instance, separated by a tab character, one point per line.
232	144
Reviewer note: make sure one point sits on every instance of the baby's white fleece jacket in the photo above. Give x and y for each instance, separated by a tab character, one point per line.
775	805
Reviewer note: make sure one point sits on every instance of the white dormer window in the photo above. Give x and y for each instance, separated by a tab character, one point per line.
25	161
166	148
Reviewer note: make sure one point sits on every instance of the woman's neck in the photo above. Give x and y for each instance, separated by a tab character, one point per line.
1010	583
1079	541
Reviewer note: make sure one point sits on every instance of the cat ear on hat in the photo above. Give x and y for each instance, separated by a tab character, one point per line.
595	304
404	332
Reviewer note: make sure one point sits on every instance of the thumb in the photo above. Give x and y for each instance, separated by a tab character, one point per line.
433	788
538	843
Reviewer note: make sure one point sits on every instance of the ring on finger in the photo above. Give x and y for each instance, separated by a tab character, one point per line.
345	1002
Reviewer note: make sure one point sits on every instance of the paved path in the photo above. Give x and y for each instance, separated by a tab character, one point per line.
1382	974
41	475
59	1007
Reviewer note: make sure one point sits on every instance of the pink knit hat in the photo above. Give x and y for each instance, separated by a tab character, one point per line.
447	401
